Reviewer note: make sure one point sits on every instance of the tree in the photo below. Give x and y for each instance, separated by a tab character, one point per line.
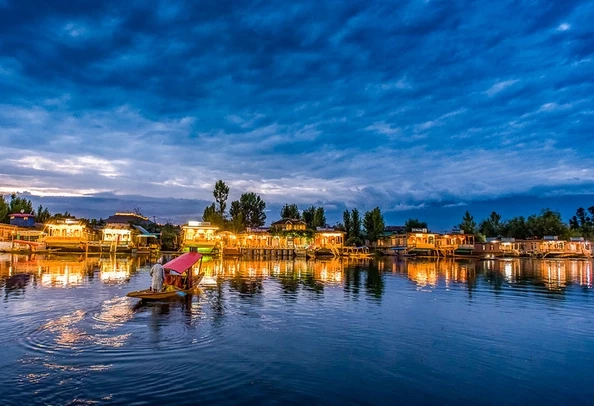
319	218
4	210
547	223
221	193
468	225
169	235
356	224
42	215
515	228
411	224
314	217
373	222
290	211
237	221
346	219
137	210
20	204
583	223
211	215
491	227
251	208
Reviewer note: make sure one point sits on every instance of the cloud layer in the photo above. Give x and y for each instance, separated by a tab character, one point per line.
355	104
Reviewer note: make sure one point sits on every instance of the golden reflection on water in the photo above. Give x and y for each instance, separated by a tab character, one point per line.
114	269
330	271
427	274
76	270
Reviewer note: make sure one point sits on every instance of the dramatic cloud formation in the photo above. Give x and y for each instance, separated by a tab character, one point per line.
345	104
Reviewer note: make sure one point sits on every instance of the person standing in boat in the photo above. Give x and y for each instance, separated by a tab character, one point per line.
158	274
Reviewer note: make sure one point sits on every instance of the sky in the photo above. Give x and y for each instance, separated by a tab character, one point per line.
416	107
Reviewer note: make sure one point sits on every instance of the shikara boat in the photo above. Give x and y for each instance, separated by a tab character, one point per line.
179	279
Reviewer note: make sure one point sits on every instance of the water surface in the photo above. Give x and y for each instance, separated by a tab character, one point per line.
294	332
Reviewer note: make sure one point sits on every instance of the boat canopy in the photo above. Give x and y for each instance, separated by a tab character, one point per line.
183	262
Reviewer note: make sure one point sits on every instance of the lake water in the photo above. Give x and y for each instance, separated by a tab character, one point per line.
296	332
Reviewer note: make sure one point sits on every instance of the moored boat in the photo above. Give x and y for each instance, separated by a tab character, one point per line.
179	279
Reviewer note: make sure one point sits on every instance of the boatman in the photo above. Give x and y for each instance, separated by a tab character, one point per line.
158	274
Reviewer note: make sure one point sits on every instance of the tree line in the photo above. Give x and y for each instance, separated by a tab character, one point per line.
21	205
546	223
248	212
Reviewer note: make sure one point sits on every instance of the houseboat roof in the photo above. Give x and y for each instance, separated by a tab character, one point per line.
288	221
259	230
126	218
21	215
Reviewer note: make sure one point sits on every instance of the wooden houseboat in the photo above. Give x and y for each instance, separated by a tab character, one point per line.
200	236
498	248
329	241
419	242
455	244
22	234
552	247
67	235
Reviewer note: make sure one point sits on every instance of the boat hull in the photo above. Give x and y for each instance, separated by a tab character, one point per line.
148	294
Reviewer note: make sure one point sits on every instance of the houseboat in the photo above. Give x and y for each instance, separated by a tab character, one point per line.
23	234
498	248
552	247
67	235
200	236
329	242
455	244
419	242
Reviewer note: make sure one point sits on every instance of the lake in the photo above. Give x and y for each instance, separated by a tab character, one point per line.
382	331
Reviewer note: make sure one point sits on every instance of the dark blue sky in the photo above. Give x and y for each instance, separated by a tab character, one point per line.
403	105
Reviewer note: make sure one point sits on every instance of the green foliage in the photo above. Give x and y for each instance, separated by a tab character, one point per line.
42	214
319	217
346	219
294	233
20	205
236	223
251	209
290	211
65	215
414	223
515	228
221	193
547	223
492	226
169	237
354	241
373	222
4	209
211	215
468	225
355	225
314	217
581	224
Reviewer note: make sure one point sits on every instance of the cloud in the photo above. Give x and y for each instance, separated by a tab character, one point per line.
372	104
500	86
